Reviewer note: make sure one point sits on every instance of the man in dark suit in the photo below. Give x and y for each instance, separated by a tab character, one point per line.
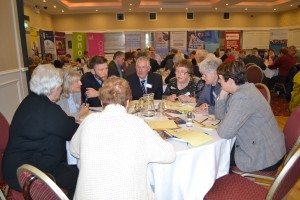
116	64
145	82
92	81
256	59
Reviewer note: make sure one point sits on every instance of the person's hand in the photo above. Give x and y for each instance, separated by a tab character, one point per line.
91	92
184	98
223	94
271	62
84	110
172	98
202	109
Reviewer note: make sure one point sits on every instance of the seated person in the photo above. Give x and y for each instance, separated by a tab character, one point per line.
284	63
256	59
70	102
184	86
115	148
143	81
211	90
39	131
92	81
246	115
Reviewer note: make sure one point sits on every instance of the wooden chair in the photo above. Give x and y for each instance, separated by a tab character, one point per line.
264	91
235	187
249	64
292	141
254	74
36	185
4	130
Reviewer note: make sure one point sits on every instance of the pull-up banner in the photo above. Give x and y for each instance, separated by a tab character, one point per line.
95	43
232	39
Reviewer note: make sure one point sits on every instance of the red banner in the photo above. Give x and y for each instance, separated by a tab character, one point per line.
95	44
232	39
60	44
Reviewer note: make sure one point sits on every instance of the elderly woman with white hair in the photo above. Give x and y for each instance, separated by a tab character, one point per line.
39	131
206	101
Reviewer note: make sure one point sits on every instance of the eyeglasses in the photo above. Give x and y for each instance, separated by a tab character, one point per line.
181	73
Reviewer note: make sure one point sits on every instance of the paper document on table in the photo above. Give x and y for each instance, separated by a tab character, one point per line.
195	138
206	121
185	108
162	124
174	104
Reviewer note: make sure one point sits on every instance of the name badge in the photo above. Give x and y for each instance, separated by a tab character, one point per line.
149	85
187	94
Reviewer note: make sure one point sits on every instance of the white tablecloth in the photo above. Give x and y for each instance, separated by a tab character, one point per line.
269	73
194	171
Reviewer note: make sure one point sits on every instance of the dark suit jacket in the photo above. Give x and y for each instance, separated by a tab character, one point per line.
256	60
153	79
37	136
164	62
113	67
88	81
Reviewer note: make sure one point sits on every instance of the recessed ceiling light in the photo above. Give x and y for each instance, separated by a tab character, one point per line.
160	8
96	10
186	8
274	8
246	8
227	4
44	1
62	11
54	6
291	5
216	8
129	8
130	4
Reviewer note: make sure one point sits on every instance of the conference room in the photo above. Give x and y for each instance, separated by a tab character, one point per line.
103	28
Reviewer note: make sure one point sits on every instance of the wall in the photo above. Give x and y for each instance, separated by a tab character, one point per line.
165	21
13	83
41	21
290	19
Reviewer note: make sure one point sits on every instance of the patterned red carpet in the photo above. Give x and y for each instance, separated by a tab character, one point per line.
279	105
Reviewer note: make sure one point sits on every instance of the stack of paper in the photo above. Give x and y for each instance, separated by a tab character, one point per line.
195	138
162	124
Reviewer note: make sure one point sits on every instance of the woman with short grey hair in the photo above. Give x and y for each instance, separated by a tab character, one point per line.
206	101
39	131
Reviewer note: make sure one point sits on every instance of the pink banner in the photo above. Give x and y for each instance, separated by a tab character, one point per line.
60	44
95	44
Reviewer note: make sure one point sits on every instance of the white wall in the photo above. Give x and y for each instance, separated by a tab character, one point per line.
13	83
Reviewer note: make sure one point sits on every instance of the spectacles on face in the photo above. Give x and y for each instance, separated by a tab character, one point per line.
181	72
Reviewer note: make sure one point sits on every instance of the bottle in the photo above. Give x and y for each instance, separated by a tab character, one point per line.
189	119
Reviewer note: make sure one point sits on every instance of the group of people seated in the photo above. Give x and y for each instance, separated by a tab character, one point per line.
114	147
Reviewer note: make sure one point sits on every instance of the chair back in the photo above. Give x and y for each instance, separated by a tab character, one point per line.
37	185
249	64
264	91
291	132
254	74
4	134
286	179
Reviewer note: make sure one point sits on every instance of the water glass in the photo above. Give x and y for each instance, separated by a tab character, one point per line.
189	118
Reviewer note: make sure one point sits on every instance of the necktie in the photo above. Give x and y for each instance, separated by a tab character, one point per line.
143	86
212	98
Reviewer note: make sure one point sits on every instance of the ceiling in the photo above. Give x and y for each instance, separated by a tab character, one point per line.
108	6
